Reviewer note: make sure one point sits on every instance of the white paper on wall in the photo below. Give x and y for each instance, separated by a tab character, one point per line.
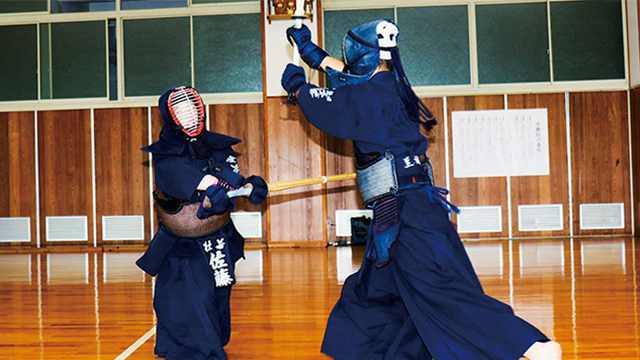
500	143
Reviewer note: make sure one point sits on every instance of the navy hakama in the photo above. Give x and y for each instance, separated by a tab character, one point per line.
193	258
424	300
193	313
427	302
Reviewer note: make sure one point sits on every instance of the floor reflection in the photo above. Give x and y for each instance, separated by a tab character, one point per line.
15	268
249	269
67	269
582	292
121	267
600	257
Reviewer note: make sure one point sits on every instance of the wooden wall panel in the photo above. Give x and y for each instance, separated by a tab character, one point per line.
5	166
122	181
245	122
552	188
156	126
279	144
635	165
600	154
65	174
294	151
341	195
437	142
18	168
488	191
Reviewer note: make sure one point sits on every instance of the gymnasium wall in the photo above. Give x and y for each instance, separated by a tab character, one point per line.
87	163
588	130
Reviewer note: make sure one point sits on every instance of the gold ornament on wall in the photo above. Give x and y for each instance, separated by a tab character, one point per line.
285	9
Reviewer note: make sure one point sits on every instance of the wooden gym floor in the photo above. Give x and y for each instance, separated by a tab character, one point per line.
98	305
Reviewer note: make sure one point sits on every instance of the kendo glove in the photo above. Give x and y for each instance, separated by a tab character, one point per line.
216	201
259	189
310	53
293	78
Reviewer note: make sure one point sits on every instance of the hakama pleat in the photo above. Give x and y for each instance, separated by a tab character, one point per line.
194	321
427	302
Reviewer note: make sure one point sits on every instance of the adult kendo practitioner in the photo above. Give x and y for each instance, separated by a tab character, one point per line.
416	295
196	247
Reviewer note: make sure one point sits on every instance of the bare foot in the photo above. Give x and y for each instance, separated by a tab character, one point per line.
550	350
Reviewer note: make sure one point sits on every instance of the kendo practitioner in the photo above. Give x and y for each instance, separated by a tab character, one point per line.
196	247
416	295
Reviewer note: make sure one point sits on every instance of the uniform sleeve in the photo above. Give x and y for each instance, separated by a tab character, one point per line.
352	112
226	159
177	176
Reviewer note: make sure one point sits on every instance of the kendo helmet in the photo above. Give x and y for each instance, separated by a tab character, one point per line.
182	108
363	48
366	44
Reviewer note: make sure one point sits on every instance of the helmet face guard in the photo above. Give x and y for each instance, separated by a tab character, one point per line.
187	110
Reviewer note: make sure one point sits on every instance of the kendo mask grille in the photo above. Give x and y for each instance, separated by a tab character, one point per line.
187	110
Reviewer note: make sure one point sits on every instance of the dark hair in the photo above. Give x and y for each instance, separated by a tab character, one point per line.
416	109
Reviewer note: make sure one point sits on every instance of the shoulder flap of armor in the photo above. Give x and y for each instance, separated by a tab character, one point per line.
219	141
170	143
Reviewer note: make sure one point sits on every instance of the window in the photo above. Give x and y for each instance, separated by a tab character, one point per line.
513	43
227	57
73	6
73	60
18	63
434	45
157	55
587	40
152	4
18	6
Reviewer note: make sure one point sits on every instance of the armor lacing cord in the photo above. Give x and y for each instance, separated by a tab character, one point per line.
439	195
436	194
225	185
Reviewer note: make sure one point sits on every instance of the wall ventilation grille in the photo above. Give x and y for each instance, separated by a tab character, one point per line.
478	219
15	229
602	216
67	228
248	223
540	217
123	227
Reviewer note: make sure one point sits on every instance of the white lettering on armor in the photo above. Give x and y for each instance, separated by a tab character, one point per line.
207	246
318	93
217	260
408	162
233	162
222	277
218	263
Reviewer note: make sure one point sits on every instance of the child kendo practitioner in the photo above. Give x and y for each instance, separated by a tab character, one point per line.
416	295
195	250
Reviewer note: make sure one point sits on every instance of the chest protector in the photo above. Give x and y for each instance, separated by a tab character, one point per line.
376	176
